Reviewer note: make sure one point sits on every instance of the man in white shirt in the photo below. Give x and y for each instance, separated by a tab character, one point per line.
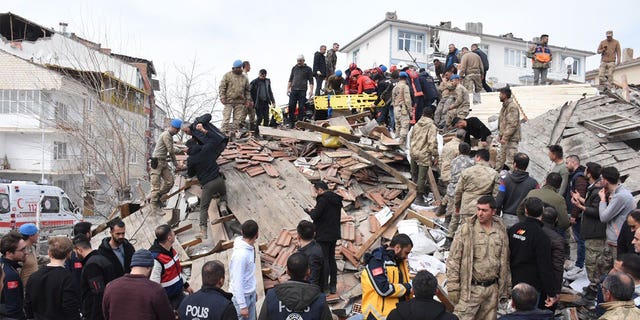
242	278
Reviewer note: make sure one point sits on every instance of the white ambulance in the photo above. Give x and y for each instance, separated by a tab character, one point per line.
27	202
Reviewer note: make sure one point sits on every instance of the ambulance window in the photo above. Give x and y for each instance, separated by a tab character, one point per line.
50	204
67	205
4	203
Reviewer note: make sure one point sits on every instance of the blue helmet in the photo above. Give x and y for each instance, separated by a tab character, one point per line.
455	76
176	123
237	64
403	74
338	73
383	68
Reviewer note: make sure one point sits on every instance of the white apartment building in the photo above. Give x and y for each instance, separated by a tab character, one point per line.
388	42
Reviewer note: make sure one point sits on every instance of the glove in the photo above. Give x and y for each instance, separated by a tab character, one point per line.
454	297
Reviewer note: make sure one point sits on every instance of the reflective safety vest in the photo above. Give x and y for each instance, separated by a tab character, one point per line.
170	279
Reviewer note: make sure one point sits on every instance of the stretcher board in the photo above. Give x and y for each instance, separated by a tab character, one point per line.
344	101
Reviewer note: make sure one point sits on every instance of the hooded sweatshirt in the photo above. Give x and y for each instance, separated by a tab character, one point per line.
326	216
513	189
295	297
615	212
242	278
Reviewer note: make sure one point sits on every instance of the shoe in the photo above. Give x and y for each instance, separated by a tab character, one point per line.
568	264
447	244
332	290
420	200
574	271
203	233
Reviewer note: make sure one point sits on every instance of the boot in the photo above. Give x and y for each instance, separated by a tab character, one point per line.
222	206
420	200
447	244
203	233
175	218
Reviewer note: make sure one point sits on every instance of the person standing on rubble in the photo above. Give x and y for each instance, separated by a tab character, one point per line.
242	269
235	96
326	217
300	76
423	152
541	57
449	152
478	274
609	48
485	63
332	59
509	130
458	164
319	68
312	250
202	163
460	105
514	187
262	96
401	101
471	69
385	278
475	182
445	89
161	175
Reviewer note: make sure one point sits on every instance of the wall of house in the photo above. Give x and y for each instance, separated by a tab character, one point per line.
371	53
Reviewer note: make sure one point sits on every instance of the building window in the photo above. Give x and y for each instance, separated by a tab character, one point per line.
484	48
60	150
515	58
19	101
354	56
61	112
412	42
133	156
575	67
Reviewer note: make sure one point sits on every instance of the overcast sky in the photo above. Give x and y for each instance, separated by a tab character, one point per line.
271	34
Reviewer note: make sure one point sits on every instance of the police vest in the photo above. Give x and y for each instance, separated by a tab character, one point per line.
170	278
278	311
207	303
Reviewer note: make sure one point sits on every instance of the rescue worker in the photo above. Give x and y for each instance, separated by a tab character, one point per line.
509	130
460	105
475	182
312	250
471	69
167	270
449	152
609	49
478	274
13	249
296	298
458	164
29	232
445	89
366	85
161	175
262	96
331	59
541	57
235	96
423	152
401	101
210	302
385	278
335	82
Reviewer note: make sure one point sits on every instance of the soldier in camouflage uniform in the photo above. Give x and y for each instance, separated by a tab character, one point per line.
617	290
460	106
475	182
458	164
449	152
445	88
401	98
235	96
478	274
423	151
509	130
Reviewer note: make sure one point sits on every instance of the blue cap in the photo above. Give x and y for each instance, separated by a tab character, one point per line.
455	76
338	73
142	258
28	229
383	68
237	64
403	75
176	123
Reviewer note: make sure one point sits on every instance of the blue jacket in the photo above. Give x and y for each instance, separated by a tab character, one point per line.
452	57
208	303
13	291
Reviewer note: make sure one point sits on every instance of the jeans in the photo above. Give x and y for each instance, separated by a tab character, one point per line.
580	244
330	267
540	73
250	299
299	98
319	81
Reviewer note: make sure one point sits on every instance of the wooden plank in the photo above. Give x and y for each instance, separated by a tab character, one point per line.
433	184
292	134
191	243
182	229
566	112
335	133
223	219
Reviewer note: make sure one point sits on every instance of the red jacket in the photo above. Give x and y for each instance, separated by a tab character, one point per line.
365	83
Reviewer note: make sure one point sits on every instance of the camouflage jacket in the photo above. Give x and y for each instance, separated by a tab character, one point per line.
474	249
475	182
449	152
458	164
424	145
164	146
620	310
509	121
234	88
401	96
461	104
331	59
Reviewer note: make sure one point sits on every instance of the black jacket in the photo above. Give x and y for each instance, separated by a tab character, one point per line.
624	240
557	253
96	273
202	159
106	251
420	309
591	227
12	296
384	90
74	265
483	57
208	303
300	76
261	90
313	251
51	294
428	86
535	314
513	189
530	256
197	137
326	216
319	64
297	297
477	129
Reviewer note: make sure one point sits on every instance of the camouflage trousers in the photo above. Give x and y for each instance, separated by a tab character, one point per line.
239	113
605	73
440	117
598	261
473	80
251	112
506	154
456	221
402	122
161	181
483	303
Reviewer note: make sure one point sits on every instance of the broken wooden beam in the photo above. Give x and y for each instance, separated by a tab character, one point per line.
335	133
183	228
192	242
223	219
293	134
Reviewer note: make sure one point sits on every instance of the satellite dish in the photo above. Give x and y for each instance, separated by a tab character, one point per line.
430	50
568	61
